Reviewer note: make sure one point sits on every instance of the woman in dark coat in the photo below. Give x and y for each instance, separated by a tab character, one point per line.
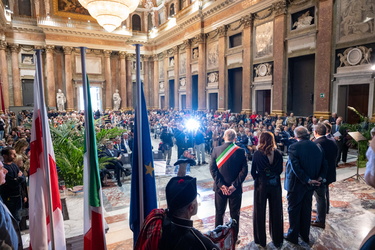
266	168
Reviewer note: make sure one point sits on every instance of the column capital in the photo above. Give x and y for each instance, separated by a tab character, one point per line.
122	54
50	48
200	38
130	57
67	50
3	45
155	57
279	8
15	48
107	53
247	20
222	30
186	43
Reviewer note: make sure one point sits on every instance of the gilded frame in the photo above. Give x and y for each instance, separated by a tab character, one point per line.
74	11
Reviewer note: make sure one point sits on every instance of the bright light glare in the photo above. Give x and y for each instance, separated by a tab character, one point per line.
192	125
373	67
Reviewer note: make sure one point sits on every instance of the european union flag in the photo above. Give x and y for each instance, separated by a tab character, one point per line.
149	189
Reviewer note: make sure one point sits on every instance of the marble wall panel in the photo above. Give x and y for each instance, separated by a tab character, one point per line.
182	63
93	65
264	40
355	19
161	69
212	55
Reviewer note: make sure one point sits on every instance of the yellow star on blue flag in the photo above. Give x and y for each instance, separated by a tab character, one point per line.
149	169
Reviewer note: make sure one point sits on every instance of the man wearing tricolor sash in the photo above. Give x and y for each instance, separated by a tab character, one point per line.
229	169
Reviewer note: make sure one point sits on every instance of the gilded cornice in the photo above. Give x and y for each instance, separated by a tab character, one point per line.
279	8
67	50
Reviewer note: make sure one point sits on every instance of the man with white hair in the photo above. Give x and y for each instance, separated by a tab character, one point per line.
229	169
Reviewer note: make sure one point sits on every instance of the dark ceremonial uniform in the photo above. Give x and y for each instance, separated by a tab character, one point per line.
232	171
322	192
267	186
180	234
306	162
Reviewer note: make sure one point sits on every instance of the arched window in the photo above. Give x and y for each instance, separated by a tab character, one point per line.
171	10
136	22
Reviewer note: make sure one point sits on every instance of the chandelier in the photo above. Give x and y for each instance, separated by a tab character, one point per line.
110	13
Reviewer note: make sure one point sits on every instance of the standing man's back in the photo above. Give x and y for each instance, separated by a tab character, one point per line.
229	169
304	171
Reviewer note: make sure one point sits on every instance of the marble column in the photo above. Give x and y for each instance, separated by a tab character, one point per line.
155	92
122	89
68	79
202	76
17	88
51	90
166	80
223	98
323	59
4	73
279	55
176	78
129	81
189	96
247	73
108	79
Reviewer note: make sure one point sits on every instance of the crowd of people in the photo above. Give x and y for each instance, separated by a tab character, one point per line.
315	146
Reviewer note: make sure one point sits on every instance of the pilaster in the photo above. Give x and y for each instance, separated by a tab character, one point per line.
247	73
222	67
4	73
108	79
129	82
123	94
68	78
202	82
51	89
17	89
155	92
189	97
279	93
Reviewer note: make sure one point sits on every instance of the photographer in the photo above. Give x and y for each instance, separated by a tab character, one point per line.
167	144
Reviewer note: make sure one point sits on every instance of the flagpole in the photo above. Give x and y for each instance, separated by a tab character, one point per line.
45	153
138	115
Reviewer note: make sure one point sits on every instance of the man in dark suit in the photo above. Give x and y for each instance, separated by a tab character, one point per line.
305	170
321	193
115	163
126	146
229	169
341	140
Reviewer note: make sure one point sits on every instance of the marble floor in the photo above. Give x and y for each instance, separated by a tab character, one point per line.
351	216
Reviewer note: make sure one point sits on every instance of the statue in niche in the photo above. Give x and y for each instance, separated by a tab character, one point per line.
171	62
116	100
195	53
60	100
303	21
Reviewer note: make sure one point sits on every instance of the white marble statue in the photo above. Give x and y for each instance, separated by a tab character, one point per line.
116	100
60	100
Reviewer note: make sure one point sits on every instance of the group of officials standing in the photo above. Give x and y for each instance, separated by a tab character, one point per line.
311	167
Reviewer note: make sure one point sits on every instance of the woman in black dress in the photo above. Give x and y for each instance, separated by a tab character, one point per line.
266	168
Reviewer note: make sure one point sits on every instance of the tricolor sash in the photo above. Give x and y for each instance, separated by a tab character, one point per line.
224	156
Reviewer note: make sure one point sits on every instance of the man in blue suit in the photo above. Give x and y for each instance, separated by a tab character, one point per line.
305	170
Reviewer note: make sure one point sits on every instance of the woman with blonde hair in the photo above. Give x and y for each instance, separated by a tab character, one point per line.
266	168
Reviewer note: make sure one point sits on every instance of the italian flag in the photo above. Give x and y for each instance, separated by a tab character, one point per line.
94	234
43	187
224	156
